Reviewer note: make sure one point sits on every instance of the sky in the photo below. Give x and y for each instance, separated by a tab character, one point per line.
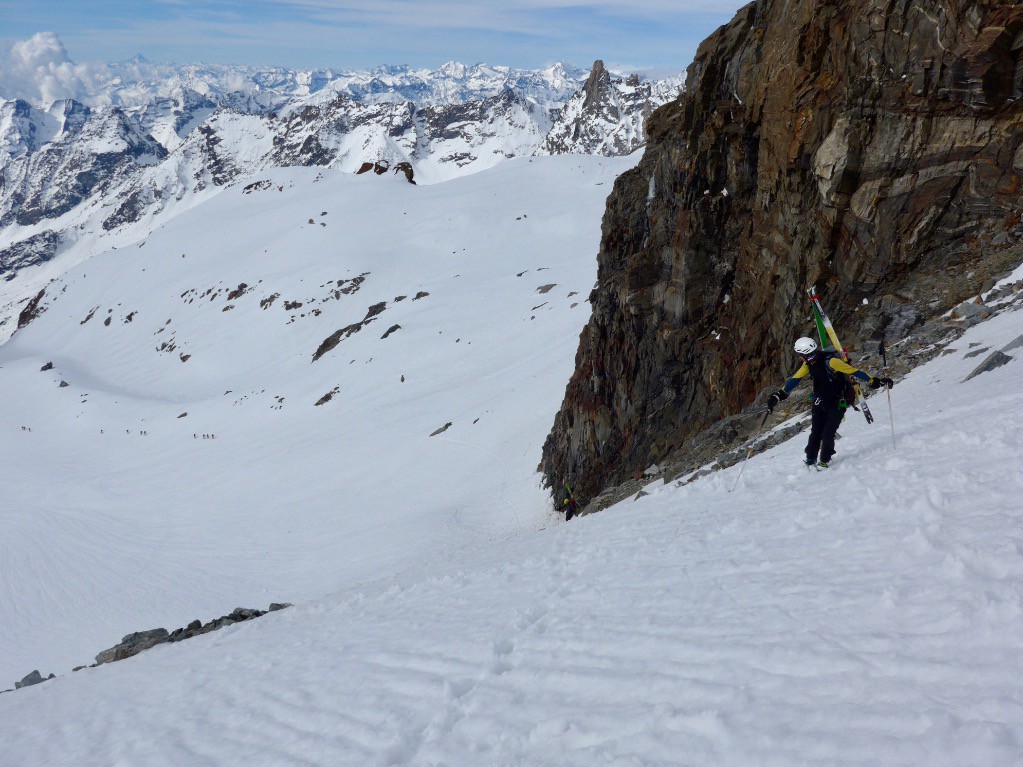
640	35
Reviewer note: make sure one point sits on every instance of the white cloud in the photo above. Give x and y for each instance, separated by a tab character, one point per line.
39	70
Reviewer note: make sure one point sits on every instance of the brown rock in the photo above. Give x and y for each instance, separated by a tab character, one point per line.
32	309
868	152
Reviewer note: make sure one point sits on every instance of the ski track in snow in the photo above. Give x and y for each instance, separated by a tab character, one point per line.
871	614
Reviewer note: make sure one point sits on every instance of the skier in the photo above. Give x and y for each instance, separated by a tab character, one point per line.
829	388
569	506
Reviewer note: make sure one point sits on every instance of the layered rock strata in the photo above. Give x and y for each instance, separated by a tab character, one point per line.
873	149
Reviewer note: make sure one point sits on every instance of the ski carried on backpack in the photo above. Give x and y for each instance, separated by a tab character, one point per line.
829	337
570	506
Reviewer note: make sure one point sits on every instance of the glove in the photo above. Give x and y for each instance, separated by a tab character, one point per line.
877	383
774	399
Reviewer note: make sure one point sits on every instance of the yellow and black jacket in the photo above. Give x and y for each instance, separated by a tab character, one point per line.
828	373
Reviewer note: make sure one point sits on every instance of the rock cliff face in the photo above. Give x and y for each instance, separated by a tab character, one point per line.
872	148
91	152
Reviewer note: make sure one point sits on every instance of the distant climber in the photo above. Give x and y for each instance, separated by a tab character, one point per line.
828	373
569	505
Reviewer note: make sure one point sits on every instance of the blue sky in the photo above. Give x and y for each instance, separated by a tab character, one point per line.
366	33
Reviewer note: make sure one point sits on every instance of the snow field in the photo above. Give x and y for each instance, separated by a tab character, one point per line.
866	615
105	530
869	615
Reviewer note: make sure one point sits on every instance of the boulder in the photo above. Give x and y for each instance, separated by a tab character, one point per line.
133	644
993	361
968	310
30	679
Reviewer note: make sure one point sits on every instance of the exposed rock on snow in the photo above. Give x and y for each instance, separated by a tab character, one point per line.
32	309
139	641
337	336
994	361
133	644
30	679
328	396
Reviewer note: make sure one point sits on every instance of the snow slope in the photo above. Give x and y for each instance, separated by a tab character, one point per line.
104	528
870	615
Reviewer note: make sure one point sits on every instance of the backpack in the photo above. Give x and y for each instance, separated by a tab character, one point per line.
850	388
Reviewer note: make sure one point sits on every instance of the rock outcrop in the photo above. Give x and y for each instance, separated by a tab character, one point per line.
875	150
32	679
606	117
139	641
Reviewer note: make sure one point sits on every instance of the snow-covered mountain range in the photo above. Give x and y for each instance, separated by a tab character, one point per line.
146	141
139	82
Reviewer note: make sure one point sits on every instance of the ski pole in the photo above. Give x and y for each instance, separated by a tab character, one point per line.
884	371
749	415
749	453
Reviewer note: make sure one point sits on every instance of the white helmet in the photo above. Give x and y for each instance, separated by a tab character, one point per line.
805	347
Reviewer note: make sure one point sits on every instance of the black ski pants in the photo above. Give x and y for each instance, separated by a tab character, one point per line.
825	419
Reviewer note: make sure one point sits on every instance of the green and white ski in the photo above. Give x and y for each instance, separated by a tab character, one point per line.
829	337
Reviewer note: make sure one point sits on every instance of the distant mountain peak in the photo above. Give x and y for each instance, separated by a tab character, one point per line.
452	69
599	79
